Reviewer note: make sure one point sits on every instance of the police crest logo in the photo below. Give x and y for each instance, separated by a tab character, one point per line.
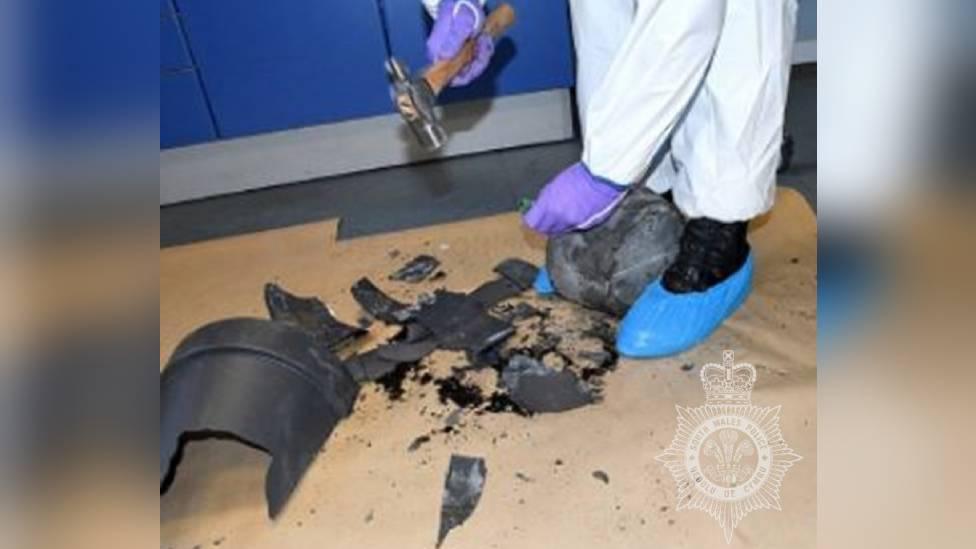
728	457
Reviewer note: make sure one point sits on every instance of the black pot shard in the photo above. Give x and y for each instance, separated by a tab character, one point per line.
310	314
267	383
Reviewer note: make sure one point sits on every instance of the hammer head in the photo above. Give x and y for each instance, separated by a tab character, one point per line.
414	100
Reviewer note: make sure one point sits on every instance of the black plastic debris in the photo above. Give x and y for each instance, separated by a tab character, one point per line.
460	323
602	476
381	361
406	352
412	333
517	276
369	366
310	314
488	358
412	344
462	491
418	442
266	383
516	312
519	272
539	389
378	304
495	291
417	269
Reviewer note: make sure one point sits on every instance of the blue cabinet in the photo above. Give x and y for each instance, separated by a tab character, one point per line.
172	50
269	66
234	68
535	55
184	118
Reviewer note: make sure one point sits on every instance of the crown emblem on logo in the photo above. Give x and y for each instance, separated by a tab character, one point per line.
728	383
728	457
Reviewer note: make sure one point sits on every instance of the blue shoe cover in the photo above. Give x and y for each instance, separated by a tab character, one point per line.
661	323
543	284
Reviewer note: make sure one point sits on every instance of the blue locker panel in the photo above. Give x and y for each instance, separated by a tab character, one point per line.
172	51
270	66
183	115
536	55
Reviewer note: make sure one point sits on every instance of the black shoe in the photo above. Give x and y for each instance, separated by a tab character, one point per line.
711	251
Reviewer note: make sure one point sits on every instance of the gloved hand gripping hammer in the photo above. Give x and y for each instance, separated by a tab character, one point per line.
415	98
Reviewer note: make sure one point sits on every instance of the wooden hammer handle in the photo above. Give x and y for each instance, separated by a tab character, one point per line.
441	73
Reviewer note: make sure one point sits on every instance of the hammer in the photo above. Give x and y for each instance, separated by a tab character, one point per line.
415	98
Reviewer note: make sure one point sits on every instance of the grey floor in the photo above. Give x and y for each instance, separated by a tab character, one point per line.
436	192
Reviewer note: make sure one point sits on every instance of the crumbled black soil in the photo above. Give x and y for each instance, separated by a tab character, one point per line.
392	382
561	336
582	344
500	403
453	390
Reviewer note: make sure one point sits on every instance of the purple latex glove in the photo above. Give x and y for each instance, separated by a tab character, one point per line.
458	20
574	199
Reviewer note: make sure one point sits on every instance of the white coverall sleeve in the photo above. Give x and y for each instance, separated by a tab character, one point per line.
431	6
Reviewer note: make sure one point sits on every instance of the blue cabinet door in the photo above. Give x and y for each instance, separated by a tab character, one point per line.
270	66
172	51
535	55
183	115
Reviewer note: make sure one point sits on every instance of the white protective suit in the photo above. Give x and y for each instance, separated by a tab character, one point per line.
708	77
711	75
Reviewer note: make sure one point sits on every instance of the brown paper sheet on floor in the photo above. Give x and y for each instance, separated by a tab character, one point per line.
367	490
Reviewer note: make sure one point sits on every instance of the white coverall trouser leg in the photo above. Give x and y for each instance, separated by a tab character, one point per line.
709	77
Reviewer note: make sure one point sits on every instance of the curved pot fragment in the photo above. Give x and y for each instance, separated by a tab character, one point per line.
266	383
